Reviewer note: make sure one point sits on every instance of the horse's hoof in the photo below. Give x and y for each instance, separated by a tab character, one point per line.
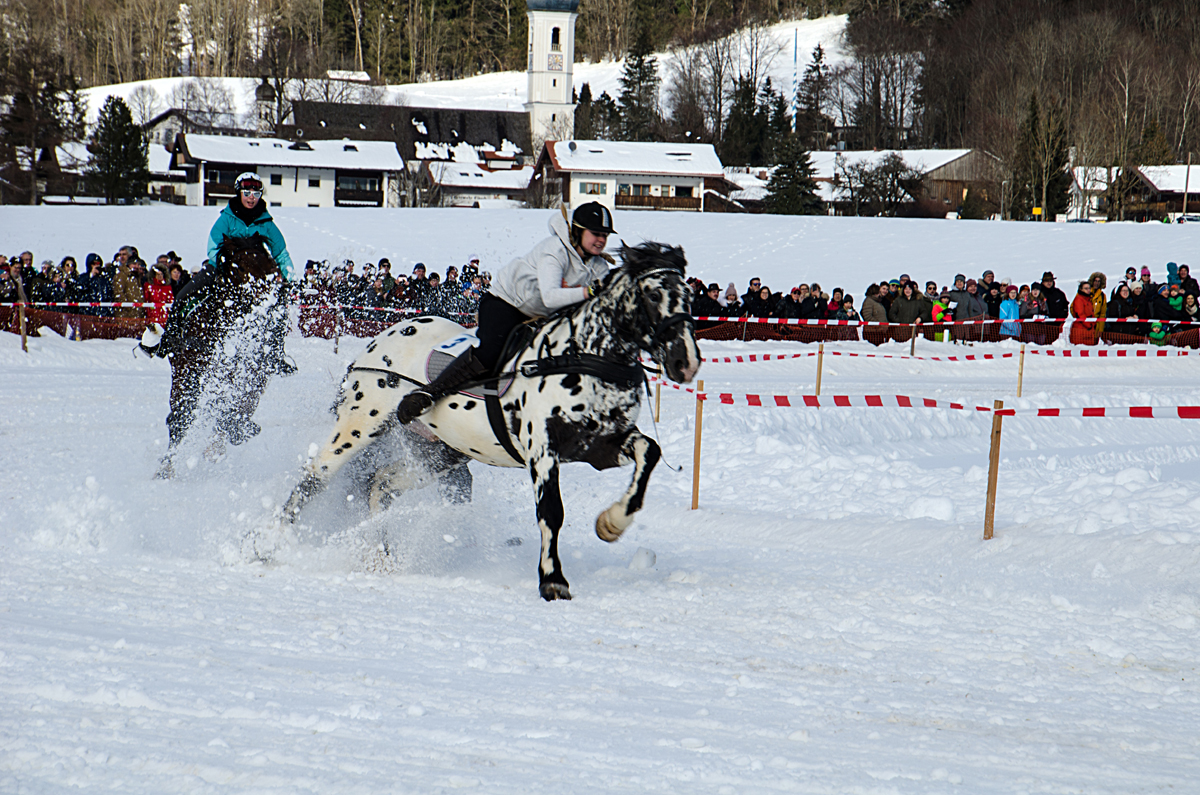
243	432
555	590
606	529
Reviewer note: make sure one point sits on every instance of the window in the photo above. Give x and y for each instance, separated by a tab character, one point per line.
639	190
276	204
314	181
665	190
683	190
277	179
623	190
593	188
314	205
352	182
555	44
221	177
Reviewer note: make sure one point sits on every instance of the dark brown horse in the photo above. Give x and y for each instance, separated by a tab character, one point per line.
218	358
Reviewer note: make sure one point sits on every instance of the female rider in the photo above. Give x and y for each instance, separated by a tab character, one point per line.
244	216
563	270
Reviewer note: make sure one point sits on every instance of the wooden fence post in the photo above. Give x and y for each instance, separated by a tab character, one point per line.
21	314
989	510
658	394
696	451
912	348
1021	371
820	362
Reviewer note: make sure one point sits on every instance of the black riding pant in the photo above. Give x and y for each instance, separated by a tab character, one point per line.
497	319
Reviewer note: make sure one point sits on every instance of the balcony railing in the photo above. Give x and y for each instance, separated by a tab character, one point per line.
659	202
357	198
217	192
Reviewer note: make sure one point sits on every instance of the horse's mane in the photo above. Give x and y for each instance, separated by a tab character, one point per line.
232	247
650	255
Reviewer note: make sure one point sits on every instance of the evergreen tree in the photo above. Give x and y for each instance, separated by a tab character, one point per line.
741	145
44	108
1154	149
584	125
792	189
638	102
812	124
118	168
1040	176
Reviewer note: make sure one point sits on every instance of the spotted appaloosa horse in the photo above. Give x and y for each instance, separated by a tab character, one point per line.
574	396
207	372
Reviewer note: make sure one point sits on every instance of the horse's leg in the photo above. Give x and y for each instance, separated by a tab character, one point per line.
185	386
367	411
644	452
236	423
544	471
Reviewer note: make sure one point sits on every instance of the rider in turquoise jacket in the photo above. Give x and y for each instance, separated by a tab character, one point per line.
244	216
236	220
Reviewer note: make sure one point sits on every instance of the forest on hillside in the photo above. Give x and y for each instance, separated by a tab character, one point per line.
1040	84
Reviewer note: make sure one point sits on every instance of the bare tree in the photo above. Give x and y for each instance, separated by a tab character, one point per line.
145	103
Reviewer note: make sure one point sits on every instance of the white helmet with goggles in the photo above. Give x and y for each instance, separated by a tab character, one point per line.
248	180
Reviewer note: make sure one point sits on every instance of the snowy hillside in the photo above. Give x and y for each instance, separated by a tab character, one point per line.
506	90
829	621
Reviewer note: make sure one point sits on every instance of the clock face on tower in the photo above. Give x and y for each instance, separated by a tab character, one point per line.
555	62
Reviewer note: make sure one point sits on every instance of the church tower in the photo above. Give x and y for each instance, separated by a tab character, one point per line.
551	59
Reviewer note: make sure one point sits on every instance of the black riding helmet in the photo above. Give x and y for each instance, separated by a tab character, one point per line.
594	217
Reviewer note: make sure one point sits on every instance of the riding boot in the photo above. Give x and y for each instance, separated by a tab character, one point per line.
462	370
167	338
277	359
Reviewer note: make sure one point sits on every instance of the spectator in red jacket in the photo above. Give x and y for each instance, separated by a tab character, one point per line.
157	291
1083	330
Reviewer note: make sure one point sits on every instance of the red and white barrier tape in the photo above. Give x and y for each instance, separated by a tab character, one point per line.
906	402
792	321
1078	353
145	304
1119	353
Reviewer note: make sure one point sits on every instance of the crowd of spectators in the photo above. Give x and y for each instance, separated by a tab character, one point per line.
902	301
1156	307
360	296
127	278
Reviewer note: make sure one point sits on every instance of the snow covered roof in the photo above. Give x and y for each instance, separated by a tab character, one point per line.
474	175
343	154
1171	179
160	161
752	182
1092	178
922	160
73	156
628	157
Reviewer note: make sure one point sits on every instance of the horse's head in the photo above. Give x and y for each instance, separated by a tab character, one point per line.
662	302
245	259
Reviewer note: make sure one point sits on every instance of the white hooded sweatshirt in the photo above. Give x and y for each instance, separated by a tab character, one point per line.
550	276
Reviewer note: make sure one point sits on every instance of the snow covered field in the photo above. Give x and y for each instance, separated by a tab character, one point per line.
830	620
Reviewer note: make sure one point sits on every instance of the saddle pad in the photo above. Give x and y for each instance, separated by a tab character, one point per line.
439	360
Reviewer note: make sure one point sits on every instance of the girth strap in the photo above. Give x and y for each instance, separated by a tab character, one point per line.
583	364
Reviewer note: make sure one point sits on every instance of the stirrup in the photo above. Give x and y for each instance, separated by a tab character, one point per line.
407	414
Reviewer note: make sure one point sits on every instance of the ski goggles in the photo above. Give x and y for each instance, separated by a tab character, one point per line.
256	193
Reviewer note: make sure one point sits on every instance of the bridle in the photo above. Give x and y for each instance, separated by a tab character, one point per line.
664	326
